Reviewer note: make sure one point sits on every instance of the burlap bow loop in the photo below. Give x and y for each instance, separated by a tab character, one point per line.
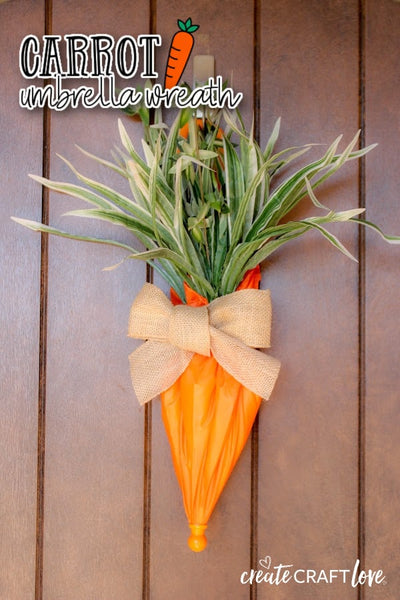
245	315
153	317
230	328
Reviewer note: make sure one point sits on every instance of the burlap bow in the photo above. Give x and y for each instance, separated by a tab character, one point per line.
230	328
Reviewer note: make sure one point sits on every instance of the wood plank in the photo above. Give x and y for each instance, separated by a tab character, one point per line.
21	153
94	453
382	298
308	431
176	572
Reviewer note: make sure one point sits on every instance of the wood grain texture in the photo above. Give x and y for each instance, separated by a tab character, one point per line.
176	572
383	297
308	462
308	444
20	153
94	451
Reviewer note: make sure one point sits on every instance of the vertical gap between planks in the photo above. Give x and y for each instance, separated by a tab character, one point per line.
148	417
41	419
147	485
256	67
361	303
255	430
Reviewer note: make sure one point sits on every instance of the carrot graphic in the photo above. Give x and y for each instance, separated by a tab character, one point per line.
179	52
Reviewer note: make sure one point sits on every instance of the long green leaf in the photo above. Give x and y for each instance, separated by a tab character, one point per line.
117	199
239	223
102	161
35	226
128	145
179	262
234	181
272	140
332	239
75	191
391	239
284	197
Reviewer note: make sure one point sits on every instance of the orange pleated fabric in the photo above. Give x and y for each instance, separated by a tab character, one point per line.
208	416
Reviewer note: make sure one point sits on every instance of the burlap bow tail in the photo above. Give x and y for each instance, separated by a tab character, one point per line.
230	328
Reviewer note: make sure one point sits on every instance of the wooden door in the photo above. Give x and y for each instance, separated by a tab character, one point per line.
90	508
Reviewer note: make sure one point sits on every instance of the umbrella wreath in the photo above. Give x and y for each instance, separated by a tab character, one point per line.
208	205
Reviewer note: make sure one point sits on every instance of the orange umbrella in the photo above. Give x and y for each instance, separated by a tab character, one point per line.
208	416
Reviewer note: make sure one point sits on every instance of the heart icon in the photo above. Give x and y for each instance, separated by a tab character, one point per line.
265	563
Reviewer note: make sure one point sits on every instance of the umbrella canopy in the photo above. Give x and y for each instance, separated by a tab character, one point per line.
208	416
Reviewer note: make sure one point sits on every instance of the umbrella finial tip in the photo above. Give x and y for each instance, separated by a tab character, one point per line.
197	541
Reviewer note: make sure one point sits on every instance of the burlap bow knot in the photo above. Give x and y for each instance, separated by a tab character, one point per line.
230	328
